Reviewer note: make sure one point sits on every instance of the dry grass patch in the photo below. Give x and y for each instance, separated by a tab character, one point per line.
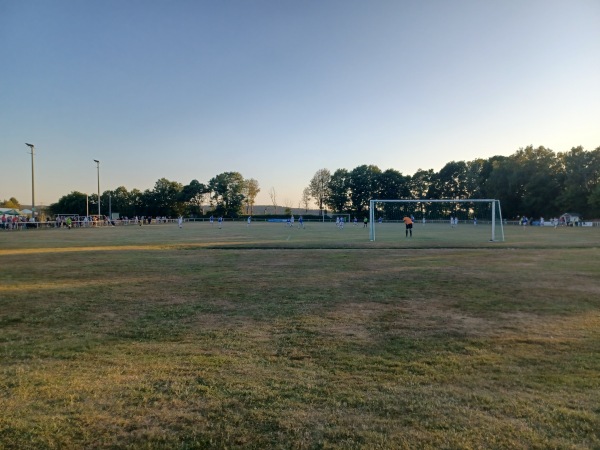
184	346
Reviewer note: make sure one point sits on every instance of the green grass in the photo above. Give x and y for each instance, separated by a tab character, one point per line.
270	337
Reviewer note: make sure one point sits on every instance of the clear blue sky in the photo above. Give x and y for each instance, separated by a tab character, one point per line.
279	89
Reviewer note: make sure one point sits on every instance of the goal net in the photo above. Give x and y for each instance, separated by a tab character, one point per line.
465	219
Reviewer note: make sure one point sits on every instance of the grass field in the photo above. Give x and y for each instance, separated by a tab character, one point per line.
271	337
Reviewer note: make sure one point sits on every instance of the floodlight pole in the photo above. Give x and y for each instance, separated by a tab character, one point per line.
32	147
98	170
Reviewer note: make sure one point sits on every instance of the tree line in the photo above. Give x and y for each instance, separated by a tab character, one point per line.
532	182
228	194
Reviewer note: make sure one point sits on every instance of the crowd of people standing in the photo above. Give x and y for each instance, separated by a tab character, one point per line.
9	222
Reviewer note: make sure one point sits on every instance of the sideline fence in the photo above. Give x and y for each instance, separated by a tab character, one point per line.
28	225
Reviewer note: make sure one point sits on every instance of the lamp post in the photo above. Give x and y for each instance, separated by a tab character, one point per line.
98	170
32	147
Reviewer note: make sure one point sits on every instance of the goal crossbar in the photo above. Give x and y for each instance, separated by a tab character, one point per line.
492	201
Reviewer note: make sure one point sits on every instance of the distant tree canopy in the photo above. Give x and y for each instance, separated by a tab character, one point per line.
194	194
319	186
250	191
227	193
73	203
10	203
532	182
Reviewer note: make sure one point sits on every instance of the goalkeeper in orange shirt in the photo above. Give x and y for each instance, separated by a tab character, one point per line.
409	223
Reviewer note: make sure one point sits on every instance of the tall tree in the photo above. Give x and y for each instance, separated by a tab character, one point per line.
420	182
227	193
419	187
364	185
10	203
539	177
527	182
319	185
305	199
73	203
594	197
193	195
487	167
165	196
108	205
147	203
594	202
393	185
338	192
475	172
581	172
121	202
137	200
251	190
504	184
451	180
273	197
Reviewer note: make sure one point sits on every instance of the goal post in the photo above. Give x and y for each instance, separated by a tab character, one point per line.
440	210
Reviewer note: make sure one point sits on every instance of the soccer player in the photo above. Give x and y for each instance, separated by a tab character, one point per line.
249	220
300	222
220	221
180	222
409	224
365	222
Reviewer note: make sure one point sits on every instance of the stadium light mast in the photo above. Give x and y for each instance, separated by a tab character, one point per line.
32	148
98	170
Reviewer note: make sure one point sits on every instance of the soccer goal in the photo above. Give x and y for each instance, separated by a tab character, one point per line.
481	217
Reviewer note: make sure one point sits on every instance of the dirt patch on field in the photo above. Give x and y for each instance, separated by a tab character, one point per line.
422	319
410	318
